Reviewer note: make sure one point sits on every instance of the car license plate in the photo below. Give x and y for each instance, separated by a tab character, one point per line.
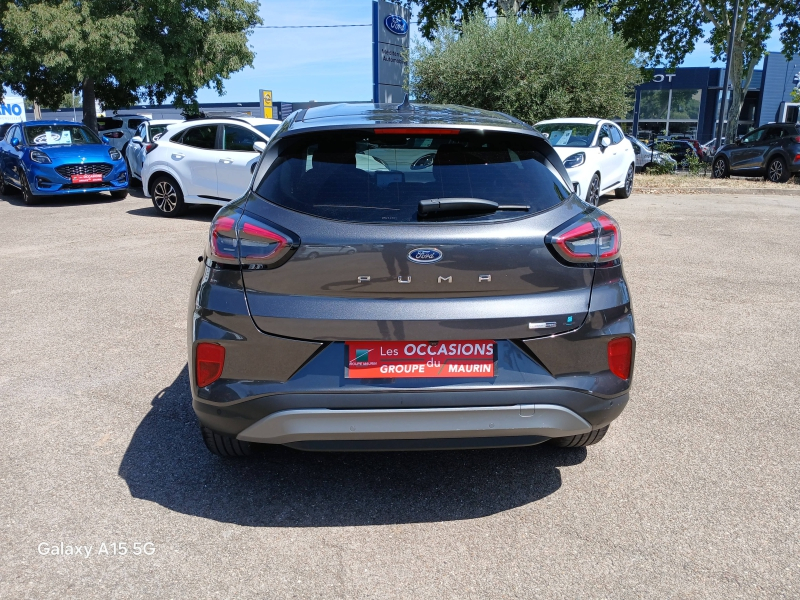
93	178
380	360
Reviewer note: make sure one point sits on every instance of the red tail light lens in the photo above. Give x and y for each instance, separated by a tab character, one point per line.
236	238
209	361
150	147
588	241
620	354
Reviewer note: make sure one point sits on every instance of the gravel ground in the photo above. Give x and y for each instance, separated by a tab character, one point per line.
693	493
694	184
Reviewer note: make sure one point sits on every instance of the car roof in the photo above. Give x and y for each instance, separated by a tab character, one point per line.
258	121
582	120
164	121
369	114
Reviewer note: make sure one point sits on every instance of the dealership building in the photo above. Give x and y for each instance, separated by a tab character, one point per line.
686	100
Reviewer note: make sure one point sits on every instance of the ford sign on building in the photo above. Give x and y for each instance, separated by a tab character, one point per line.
389	51
12	110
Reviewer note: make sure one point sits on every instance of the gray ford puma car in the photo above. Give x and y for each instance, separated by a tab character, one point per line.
480	302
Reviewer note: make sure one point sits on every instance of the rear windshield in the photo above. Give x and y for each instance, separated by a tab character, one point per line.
267	130
369	177
573	135
52	135
105	123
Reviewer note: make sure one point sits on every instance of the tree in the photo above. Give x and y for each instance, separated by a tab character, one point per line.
667	30
123	51
531	67
458	11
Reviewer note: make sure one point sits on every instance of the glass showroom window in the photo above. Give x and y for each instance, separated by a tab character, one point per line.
665	112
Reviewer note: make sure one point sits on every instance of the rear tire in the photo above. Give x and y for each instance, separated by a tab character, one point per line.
579	441
225	445
777	171
167	196
720	169
27	195
626	190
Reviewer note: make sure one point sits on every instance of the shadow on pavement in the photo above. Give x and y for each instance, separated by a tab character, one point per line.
193	213
69	200
167	463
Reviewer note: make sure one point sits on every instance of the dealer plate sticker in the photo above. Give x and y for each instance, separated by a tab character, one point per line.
380	360
88	178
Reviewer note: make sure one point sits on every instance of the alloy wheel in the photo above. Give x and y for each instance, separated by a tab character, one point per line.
593	195
629	181
719	169
165	197
775	173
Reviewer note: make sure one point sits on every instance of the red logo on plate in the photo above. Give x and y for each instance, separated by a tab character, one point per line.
381	360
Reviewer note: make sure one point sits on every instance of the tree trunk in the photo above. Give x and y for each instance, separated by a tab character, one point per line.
37	111
89	107
737	97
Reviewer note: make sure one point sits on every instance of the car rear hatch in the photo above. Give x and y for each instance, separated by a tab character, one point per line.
360	261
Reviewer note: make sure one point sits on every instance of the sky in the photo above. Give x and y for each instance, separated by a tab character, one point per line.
299	65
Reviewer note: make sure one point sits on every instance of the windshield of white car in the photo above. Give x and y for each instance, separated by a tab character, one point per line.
571	135
52	135
267	130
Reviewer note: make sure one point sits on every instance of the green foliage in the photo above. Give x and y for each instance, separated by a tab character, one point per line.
694	165
530	67
457	12
123	50
796	94
661	168
666	31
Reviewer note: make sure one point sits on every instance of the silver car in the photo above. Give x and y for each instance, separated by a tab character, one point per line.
147	133
119	129
647	157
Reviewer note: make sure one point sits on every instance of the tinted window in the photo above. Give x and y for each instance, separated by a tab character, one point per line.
141	132
573	135
105	123
754	136
616	135
604	132
366	177
267	130
12	133
239	139
134	123
157	130
51	135
201	137
774	133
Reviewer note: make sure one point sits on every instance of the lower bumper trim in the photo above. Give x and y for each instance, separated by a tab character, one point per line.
288	426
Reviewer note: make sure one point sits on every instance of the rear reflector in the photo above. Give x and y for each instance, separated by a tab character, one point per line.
620	353
210	358
416	131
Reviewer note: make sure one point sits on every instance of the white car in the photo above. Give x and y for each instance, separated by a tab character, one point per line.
147	133
119	129
203	161
598	157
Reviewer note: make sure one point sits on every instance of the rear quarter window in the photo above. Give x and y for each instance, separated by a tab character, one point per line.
363	176
104	124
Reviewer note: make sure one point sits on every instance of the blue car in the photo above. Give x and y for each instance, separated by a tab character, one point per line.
58	158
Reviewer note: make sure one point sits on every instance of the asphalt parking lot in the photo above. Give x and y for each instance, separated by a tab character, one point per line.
692	494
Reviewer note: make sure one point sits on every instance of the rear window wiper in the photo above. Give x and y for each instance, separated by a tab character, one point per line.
435	206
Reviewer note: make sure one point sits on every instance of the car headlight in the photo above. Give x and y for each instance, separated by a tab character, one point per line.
40	157
114	153
575	160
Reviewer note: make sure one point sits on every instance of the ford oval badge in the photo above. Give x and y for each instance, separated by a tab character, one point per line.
396	24
425	255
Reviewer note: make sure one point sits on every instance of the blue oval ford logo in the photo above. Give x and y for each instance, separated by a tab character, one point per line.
425	255
396	24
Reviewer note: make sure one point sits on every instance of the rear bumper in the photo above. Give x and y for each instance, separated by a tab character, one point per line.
545	420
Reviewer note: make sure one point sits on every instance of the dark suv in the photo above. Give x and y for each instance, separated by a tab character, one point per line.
771	151
478	303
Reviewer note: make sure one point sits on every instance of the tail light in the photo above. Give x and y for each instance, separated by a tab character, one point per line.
620	354
114	134
209	361
587	241
150	147
238	238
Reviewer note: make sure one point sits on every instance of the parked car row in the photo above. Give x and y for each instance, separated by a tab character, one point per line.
771	151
